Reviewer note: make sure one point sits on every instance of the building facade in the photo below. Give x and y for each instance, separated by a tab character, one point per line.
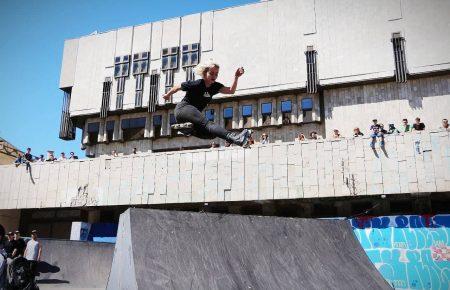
310	66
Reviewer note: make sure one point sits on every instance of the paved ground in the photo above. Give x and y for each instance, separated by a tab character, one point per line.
184	250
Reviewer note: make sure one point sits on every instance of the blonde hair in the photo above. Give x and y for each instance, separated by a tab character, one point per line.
203	68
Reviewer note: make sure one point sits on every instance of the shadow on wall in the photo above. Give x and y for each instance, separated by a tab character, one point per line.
414	91
410	251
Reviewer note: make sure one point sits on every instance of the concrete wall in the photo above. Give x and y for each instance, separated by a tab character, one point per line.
269	39
410	163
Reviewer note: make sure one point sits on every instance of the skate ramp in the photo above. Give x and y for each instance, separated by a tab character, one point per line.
183	250
68	264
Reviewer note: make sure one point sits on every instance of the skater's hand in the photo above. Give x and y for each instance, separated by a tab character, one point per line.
239	72
166	97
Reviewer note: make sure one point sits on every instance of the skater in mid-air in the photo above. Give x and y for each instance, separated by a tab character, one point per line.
188	113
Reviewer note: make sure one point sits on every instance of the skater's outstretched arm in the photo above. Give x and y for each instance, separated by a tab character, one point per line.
227	90
172	91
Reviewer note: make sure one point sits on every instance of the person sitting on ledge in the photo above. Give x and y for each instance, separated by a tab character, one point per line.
357	132
404	127
418	126
336	134
444	125
376	130
199	94
313	135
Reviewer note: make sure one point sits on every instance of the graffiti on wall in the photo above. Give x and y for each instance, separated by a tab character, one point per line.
410	251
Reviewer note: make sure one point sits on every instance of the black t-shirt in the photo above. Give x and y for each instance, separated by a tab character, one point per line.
9	247
197	94
419	127
20	245
28	157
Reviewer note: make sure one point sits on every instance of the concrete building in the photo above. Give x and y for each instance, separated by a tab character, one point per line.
310	66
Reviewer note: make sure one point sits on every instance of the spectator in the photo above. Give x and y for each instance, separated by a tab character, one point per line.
376	128
19	245
392	129
114	153
28	158
214	144
264	139
73	156
62	157
9	245
134	150
418	126
300	137
50	156
444	125
33	252
357	132
313	135
251	141
404	127
227	144
336	134
19	160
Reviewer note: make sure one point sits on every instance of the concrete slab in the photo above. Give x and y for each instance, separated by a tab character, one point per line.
186	250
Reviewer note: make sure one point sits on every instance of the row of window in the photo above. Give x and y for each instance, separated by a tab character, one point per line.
133	128
190	55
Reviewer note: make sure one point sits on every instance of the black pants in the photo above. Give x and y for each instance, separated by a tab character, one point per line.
33	267
203	128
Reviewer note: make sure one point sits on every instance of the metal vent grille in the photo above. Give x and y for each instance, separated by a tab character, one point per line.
66	129
154	92
398	45
105	97
311	70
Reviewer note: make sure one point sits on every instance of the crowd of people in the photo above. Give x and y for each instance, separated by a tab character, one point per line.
376	132
17	252
28	158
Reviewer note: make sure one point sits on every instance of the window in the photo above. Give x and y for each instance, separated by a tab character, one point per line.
139	91
398	44
92	130
307	104
311	70
133	128
286	106
157	125
140	63
209	114
247	115
121	66
246	110
190	54
169	82
170	58
307	107
109	131
266	112
286	109
228	118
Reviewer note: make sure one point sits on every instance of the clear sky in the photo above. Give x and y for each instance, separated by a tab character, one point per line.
32	35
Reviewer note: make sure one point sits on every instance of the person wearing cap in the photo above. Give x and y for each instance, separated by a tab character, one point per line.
33	251
19	246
